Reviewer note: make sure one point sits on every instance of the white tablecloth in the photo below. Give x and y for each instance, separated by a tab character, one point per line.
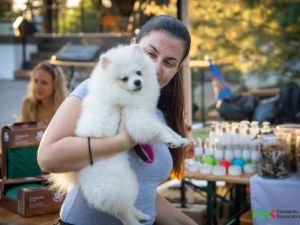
275	201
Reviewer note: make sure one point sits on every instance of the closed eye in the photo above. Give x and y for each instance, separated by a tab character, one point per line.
170	64
125	79
150	54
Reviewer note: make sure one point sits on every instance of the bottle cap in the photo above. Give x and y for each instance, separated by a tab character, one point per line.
250	168
226	164
205	169
219	170
209	160
238	162
234	170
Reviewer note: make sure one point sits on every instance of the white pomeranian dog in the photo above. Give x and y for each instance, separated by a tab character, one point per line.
123	84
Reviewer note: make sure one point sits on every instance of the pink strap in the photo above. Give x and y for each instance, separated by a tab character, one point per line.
145	152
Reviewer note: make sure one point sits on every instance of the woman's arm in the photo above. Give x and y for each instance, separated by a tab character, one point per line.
61	151
25	114
167	214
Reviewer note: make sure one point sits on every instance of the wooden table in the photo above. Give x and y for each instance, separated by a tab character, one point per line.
262	92
244	179
239	193
8	217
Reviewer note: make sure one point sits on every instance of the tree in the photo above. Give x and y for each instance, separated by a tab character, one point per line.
251	36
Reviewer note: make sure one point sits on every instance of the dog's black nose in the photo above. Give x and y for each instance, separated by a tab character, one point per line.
137	83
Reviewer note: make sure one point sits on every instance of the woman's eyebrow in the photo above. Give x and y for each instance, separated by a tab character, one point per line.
168	58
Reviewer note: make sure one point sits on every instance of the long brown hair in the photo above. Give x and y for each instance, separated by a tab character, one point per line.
59	94
171	101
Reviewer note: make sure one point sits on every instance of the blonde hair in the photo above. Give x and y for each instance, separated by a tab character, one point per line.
60	90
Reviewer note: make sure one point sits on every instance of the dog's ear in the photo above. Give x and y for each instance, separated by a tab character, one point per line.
137	49
104	61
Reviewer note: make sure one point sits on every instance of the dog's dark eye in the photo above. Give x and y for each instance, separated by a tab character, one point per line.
139	73
125	79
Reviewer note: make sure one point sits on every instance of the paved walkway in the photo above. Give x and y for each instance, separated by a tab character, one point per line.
11	95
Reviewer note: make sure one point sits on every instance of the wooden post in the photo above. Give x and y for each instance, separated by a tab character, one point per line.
183	15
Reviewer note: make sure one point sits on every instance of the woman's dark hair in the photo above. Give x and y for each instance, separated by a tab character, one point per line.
171	25
171	101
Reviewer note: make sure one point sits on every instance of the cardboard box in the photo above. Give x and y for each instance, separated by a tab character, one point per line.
23	134
23	187
39	201
20	142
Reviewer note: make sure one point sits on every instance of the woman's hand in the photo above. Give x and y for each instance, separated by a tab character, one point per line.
125	140
124	135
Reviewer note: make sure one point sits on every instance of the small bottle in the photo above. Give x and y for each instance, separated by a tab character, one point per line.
212	136
266	127
237	144
255	148
244	125
228	152
254	129
246	153
209	158
198	150
226	143
219	152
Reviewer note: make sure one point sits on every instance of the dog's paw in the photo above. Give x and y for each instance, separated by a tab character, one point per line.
184	142
178	143
133	216
174	143
142	217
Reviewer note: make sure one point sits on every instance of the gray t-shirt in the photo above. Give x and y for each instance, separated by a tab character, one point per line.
76	210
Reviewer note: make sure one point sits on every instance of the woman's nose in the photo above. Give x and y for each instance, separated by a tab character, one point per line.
158	68
38	85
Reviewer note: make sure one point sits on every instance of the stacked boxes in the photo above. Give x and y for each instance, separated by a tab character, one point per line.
23	186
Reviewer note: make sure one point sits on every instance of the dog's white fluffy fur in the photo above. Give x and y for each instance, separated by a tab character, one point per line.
123	84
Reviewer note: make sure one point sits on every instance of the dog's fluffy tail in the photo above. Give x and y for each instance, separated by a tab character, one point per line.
62	182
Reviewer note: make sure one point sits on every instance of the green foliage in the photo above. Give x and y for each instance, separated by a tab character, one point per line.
80	18
6	13
248	36
251	36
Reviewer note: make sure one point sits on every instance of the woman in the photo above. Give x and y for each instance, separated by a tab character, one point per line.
167	41
46	91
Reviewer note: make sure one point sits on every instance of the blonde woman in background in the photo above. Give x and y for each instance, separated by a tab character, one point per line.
46	91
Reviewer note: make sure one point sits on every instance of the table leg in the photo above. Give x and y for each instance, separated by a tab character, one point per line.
239	204
240	199
210	203
182	194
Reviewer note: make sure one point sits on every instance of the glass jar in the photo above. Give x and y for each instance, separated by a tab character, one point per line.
294	131
274	157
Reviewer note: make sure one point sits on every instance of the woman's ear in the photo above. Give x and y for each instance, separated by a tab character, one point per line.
133	41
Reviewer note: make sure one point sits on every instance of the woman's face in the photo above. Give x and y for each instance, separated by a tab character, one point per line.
43	84
166	52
